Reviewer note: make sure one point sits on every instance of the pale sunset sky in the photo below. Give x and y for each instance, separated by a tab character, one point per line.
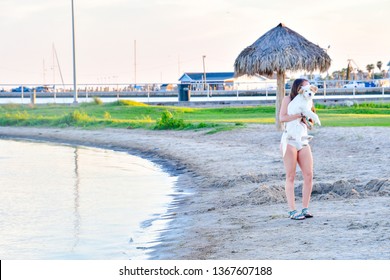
172	36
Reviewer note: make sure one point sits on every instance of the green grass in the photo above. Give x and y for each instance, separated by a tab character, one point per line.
124	114
365	114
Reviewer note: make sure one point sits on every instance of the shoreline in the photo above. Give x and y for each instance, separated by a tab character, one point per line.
237	207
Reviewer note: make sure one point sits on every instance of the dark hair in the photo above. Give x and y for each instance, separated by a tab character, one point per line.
296	87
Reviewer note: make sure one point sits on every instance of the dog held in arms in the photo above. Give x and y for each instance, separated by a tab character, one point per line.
301	104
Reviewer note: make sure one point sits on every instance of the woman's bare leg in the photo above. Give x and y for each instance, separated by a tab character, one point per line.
290	165
305	161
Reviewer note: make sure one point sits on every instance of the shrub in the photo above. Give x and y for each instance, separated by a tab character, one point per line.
76	117
146	118
131	103
97	100
19	116
107	115
168	121
16	118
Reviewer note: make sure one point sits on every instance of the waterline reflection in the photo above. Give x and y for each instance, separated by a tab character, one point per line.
76	200
64	202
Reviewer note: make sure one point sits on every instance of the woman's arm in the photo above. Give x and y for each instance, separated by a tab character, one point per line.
283	116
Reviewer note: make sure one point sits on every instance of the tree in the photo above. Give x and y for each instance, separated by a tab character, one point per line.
379	65
369	68
336	75
360	74
349	70
343	73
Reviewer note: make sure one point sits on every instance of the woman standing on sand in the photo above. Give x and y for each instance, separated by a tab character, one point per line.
297	153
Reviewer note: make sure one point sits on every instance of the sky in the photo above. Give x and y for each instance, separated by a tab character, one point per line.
156	41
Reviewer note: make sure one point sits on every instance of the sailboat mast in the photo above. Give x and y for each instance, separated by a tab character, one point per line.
54	68
58	64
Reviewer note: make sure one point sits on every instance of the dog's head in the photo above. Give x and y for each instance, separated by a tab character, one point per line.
308	91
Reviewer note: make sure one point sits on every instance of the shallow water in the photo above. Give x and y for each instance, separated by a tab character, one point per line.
65	202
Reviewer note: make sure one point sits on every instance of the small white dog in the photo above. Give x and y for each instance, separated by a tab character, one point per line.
301	104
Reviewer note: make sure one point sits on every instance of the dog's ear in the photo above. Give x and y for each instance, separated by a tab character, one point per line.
314	88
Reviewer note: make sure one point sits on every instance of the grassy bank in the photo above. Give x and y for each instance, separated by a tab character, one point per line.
127	114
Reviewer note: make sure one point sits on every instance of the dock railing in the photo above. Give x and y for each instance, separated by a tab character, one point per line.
115	91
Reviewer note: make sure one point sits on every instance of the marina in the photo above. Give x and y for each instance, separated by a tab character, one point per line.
260	93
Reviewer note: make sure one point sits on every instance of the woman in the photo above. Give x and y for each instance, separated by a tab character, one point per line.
297	153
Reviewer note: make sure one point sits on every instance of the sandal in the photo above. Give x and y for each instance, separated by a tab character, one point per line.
294	215
305	212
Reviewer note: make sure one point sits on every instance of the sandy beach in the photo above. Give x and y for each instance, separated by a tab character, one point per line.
233	204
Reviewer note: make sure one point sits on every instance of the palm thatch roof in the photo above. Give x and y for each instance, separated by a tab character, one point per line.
279	50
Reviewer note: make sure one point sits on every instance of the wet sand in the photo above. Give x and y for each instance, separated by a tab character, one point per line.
233	204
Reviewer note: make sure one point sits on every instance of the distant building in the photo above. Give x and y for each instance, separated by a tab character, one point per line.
226	81
246	82
215	80
167	87
210	77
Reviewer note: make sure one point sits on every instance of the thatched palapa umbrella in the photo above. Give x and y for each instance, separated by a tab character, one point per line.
279	50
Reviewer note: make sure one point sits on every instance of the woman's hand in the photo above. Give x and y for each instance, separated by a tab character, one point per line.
308	122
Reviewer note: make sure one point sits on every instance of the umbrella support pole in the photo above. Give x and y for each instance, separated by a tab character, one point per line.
280	93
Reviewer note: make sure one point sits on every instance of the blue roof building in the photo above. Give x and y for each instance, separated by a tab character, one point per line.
215	77
226	81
